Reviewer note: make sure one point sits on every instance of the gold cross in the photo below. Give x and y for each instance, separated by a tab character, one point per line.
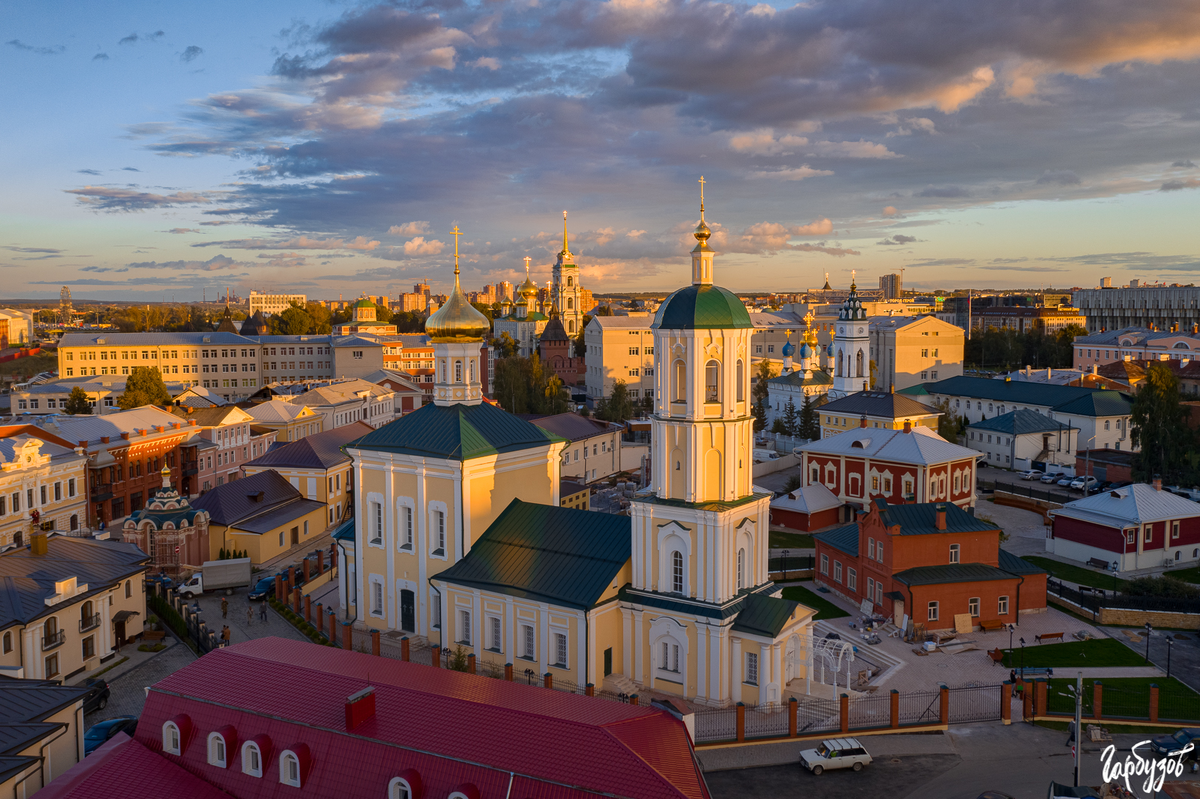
456	233
702	198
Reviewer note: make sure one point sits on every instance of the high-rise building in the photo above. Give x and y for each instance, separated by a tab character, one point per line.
891	286
421	288
504	290
274	303
586	302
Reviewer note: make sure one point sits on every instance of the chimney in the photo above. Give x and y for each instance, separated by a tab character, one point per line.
1027	370
191	422
103	439
83	445
38	544
940	520
863	421
1157	483
360	707
1049	373
125	435
908	427
176	425
190	409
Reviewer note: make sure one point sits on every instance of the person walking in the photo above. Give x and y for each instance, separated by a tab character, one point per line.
262	610
224	607
249	615
225	635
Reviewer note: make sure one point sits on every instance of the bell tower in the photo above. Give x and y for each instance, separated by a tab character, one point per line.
851	348
565	288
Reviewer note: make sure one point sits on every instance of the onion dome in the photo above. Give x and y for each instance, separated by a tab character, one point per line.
457	319
805	350
788	349
701	307
364	303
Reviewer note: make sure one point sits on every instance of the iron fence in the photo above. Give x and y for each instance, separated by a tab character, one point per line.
791	563
1094	600
818	715
870	711
975	703
1176	702
716	724
920	707
1032	490
766	721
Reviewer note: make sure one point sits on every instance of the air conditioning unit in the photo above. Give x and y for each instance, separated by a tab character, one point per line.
1168	563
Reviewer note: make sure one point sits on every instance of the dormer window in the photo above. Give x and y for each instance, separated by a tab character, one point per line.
216	750
171	738
289	769
251	759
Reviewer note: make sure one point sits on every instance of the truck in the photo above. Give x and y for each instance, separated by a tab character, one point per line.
217	575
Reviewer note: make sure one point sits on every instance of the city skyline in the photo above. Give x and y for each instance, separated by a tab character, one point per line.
326	148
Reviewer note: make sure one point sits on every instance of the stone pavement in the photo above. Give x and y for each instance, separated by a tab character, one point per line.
128	689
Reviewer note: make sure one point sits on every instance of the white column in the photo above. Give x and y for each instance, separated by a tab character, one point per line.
626	642
701	661
637	646
636	525
716	689
543	649
585	636
735	672
777	668
765	677
459	537
464	491
105	636
510	633
389	547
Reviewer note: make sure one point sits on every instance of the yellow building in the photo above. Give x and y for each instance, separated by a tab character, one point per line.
881	409
44	734
263	514
39	473
291	422
73	602
906	351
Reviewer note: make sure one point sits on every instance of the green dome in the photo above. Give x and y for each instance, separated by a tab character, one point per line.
364	303
701	307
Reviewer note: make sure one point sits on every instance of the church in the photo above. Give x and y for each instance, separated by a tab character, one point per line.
458	538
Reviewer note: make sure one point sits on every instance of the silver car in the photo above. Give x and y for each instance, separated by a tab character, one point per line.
835	753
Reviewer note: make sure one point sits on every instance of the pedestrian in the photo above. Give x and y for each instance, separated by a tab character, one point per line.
249	616
224	608
1012	676
262	610
225	635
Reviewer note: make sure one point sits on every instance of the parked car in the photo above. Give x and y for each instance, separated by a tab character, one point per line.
166	581
993	795
835	753
100	732
1080	483
97	696
1051	477
1031	474
1166	744
263	588
1065	481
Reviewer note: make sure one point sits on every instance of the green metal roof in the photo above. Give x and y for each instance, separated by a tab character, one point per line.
344	531
1059	398
701	307
364	303
1020	422
764	615
844	539
455	432
1015	565
561	555
952	573
1099	403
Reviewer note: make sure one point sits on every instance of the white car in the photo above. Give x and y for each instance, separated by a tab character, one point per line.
1066	481
1032	474
1080	483
1051	477
835	753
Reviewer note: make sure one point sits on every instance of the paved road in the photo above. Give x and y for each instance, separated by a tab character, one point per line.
1185	652
880	779
128	693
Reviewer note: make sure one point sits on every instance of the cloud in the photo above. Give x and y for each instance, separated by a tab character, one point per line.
111	199
1185	164
92	172
184	230
899	238
410	229
485	63
104	269
216	263
763	142
940	262
889	211
34	253
1061	177
1137	261
286	260
914	125
419	246
1180	183
944	192
191	53
797	173
296	243
100	57
134	38
130	169
29	48
773	237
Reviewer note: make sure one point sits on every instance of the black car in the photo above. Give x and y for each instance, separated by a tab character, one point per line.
97	695
95	737
1166	744
263	588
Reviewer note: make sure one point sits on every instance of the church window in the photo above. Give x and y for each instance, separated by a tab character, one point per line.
527	641
741	569
679	377
439	523
458	371
376	598
560	650
494	624
712	382
570	303
741	381
464	632
376	524
406	516
670	657
677	572
752	668
570	281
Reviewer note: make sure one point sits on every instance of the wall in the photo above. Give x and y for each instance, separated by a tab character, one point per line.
777	465
1121	617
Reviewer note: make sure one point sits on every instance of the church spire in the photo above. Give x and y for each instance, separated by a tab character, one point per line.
565	250
702	254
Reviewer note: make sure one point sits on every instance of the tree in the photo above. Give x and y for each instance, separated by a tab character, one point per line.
1159	427
947	423
295	321
759	394
321	319
505	346
144	387
794	481
619	406
810	420
603	310
77	403
778	427
791	420
580	344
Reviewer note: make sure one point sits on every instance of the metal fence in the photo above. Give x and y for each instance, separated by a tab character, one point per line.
1094	600
870	711
920	707
717	724
818	715
767	721
1032	490
976	703
791	563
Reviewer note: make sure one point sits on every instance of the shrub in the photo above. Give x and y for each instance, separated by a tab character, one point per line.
1166	587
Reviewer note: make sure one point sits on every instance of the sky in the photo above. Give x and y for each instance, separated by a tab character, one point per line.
156	150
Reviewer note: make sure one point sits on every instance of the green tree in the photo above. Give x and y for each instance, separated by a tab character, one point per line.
1159	427
947	422
619	406
295	321
810	420
408	321
794	481
511	384
791	419
779	427
603	310
144	387
77	403
759	395
321	319
506	346
580	345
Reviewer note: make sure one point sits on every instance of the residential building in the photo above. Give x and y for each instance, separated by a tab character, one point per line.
226	438
41	476
891	286
407	393
270	304
772	331
70	603
412	353
1029	319
1136	527
930	563
317	467
1024	439
1147	307
196	739
103	394
811	507
587	303
315	356
364	321
349	401
263	514
557	352
907	350
290	422
593	451
913	464
1103	417
619	348
410	303
43	725
875	409
16	327
1135	344
173	532
574	495
358	355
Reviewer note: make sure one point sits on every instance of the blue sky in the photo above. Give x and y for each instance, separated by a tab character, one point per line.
158	149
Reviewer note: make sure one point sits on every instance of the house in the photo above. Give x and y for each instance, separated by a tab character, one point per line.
914	464
880	409
364	726
263	514
42	723
290	422
906	350
170	529
594	448
407	392
40	474
226	438
345	402
68	605
812	507
317	466
1023	439
928	563
1139	526
574	495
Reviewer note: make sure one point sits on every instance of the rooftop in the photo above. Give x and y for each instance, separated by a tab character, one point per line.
920	445
1023	393
257	503
318	451
1021	422
574	427
1132	505
456	432
883	404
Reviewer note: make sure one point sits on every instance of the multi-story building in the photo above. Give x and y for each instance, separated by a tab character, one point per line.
102	391
16	328
411	353
594	449
412	302
40	474
875	409
289	422
226	438
70	603
1020	439
907	350
1136	344
263	514
408	394
619	348
344	403
587	303
1027	319
773	330
1148	307
891	286
270	304
296	359
364	321
45	725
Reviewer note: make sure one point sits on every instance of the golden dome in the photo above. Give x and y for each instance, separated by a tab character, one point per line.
457	319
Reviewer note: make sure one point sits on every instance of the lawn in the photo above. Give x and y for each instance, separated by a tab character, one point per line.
1096	653
825	609
781	540
1078	574
1128	697
1191	575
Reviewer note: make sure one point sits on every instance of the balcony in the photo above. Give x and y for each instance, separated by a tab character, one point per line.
53	640
101	491
89	622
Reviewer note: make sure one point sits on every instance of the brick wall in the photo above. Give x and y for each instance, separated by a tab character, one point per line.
1122	617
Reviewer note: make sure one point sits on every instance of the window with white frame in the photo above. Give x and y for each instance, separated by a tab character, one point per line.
752	668
1129	537
1174	530
376	522
677	572
560	650
439	532
973	606
171	738
871	548
837	571
216	750
464	623
670	657
406	527
527	641
435	607
399	789
852	579
1002	606
251	759
289	769
824	564
494	630
376	596
1147	533
932	613
954	549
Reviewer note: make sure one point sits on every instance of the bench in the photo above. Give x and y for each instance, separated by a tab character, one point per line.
1044	637
1035	671
153	635
1099	563
991	625
997	656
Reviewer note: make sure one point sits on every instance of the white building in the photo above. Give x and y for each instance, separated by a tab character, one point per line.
1021	438
619	348
275	303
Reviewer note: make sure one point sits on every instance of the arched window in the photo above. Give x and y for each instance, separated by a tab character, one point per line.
51	627
570	302
570	281
858	364
472	371
741	381
679	382
74	521
677	572
170	738
216	750
251	759
712	381
399	788
289	769
838	373
741	569
458	371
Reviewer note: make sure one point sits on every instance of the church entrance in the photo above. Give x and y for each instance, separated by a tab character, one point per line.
408	612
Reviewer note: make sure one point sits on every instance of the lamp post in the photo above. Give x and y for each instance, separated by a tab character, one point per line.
1010	635
1022	640
786	552
1149	629
1169	643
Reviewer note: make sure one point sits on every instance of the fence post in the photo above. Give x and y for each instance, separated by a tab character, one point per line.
308	609
278	588
508	674
318	619
296	599
589	689
1040	687
332	627
1097	700
894	699
1153	703
741	721
307	574
470	663
1026	701
633	699
943	705
347	636
437	657
793	707
404	651
375	643
1006	702
844	712
547	680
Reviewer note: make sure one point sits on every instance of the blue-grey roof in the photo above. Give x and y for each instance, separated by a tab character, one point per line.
237	504
1058	398
1015	565
952	573
1020	422
344	531
843	539
1099	403
764	615
878	403
318	451
151	339
796	378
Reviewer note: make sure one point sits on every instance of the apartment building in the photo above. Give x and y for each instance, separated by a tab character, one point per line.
274	303
290	422
227	438
40	474
907	350
1136	344
1027	319
874	409
357	356
102	391
619	348
296	359
46	721
594	451
1150	307
352	401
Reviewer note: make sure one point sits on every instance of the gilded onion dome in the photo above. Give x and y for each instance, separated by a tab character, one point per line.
457	319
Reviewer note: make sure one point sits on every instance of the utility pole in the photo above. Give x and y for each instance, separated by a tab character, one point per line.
1078	720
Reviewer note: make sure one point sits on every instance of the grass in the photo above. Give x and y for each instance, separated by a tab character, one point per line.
824	608
110	667
152	648
1078	574
31	365
1128	697
782	540
1096	653
1191	575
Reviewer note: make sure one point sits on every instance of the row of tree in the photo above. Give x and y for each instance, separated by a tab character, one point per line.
1161	427
1007	349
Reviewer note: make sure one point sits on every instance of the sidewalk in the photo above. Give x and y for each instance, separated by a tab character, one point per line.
127	659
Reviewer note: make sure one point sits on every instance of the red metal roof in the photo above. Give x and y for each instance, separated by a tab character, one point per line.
449	727
124	768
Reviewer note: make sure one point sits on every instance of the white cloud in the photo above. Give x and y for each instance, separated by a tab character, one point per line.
410	229
419	246
797	173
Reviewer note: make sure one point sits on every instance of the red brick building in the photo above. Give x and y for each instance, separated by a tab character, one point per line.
928	562
910	465
557	352
813	507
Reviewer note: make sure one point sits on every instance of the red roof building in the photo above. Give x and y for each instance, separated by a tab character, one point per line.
272	712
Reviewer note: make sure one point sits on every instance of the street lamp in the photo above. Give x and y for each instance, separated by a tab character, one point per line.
786	552
1169	643
1011	627
1149	629
1022	640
